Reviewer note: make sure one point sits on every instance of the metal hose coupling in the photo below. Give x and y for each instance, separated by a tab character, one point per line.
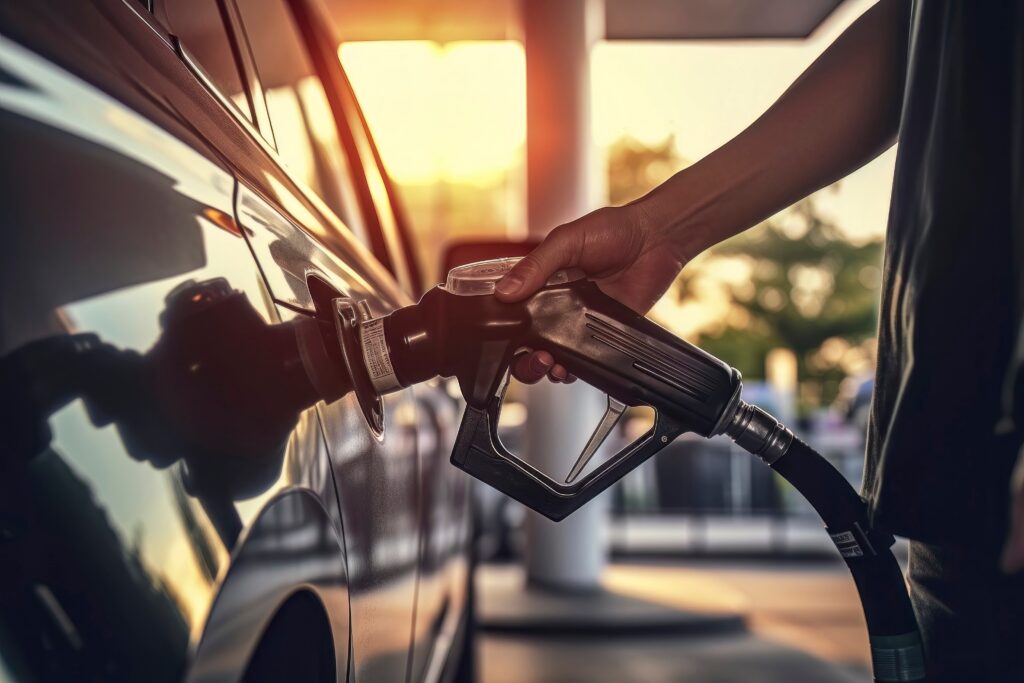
757	432
898	658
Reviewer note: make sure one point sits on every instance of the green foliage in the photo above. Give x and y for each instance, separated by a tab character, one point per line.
746	350
808	285
810	288
634	168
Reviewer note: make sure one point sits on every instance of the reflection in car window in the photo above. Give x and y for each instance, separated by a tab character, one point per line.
201	29
305	130
385	209
403	262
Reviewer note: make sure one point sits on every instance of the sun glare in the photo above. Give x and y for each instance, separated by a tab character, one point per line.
454	112
450	123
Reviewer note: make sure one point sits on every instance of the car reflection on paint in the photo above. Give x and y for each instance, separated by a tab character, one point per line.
181	498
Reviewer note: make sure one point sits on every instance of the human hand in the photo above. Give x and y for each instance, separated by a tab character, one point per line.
1013	551
620	248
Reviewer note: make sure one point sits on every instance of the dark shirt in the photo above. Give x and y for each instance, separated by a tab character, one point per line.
939	445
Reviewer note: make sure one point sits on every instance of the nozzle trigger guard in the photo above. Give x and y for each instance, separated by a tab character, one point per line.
479	452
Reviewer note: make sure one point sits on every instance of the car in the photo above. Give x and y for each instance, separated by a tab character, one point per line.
187	490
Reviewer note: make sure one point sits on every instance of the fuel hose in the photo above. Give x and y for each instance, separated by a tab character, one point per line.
896	650
459	330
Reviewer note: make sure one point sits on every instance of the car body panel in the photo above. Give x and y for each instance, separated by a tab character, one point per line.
376	475
129	562
444	507
292	546
126	178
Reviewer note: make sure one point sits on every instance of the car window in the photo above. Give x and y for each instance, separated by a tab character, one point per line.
305	131
399	247
201	28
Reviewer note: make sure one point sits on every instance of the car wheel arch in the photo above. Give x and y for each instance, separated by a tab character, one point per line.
296	644
268	577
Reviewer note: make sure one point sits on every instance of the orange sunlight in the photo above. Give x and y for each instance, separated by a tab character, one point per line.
450	123
453	112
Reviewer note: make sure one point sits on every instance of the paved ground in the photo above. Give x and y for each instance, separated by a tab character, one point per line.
687	659
803	624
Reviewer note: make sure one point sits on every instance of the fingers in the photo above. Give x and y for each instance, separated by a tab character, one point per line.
530	368
602	243
555	252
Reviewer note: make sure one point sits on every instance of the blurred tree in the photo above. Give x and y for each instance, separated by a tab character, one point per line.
635	168
805	285
810	289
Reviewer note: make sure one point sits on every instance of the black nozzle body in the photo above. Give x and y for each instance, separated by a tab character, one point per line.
599	340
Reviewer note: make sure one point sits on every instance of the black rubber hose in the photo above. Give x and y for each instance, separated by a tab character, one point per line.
896	651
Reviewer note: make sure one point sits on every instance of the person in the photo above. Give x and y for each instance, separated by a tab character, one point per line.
947	79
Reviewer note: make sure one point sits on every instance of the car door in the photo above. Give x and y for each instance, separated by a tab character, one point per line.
165	501
445	515
295	234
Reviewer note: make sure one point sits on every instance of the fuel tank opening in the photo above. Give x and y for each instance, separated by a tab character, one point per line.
349	318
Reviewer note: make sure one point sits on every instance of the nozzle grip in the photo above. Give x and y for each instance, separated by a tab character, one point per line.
602	342
479	452
630	358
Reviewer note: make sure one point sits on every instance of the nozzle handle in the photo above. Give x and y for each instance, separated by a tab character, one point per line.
479	452
602	342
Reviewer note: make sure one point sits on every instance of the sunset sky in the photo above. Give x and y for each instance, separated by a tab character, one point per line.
456	112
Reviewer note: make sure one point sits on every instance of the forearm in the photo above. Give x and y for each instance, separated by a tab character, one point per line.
842	112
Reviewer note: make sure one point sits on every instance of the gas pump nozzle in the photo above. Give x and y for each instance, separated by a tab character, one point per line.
461	330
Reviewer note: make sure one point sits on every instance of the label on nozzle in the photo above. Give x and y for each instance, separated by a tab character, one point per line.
377	356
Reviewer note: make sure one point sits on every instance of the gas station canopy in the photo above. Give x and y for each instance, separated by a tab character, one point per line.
450	20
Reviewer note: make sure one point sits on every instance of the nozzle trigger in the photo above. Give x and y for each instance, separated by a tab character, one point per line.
612	415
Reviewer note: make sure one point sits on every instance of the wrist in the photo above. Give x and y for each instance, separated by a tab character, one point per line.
673	216
705	204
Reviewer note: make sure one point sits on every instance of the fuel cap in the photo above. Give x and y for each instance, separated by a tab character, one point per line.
477	279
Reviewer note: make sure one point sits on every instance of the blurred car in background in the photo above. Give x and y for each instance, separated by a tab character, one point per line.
854	401
184	182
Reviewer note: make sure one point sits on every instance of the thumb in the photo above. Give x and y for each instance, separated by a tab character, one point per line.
558	250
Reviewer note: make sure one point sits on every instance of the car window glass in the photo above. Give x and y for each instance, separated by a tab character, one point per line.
386	216
305	130
200	27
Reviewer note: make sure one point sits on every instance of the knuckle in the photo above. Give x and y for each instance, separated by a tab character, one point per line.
607	214
529	266
567	242
566	237
561	232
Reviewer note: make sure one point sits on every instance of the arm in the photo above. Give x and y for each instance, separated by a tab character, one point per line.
839	114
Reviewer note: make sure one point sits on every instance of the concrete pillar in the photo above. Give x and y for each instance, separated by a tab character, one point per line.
558	35
782	375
